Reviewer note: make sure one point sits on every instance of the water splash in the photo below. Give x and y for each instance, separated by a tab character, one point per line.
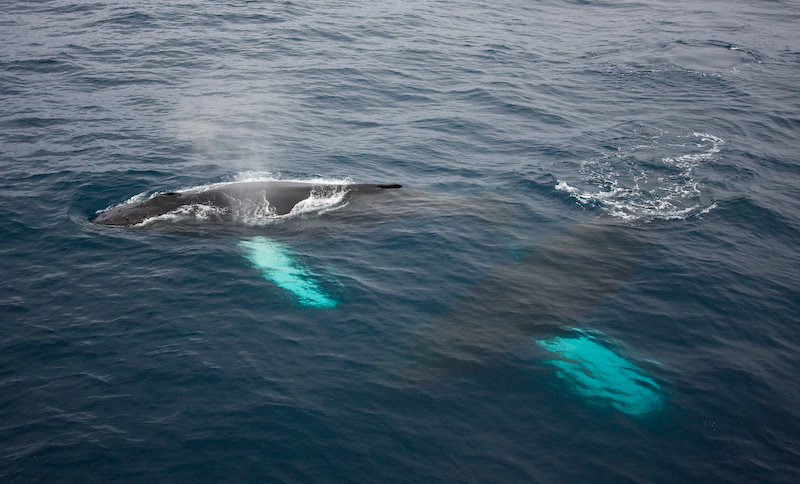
650	179
277	264
602	376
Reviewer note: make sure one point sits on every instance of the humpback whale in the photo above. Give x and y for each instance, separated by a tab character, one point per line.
538	298
282	196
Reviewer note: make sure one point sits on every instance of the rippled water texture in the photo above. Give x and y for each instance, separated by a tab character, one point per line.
589	275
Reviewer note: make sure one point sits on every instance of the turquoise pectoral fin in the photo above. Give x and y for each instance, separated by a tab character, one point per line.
596	372
276	262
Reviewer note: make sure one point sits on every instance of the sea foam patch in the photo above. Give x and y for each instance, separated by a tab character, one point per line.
603	377
647	177
277	264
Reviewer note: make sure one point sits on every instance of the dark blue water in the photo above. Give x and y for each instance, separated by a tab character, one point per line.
590	275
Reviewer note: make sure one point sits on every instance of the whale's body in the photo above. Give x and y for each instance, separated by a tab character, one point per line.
281	197
536	299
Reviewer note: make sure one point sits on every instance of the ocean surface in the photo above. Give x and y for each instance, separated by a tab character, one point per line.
591	273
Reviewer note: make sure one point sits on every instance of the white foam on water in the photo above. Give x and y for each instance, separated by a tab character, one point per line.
192	212
647	181
321	201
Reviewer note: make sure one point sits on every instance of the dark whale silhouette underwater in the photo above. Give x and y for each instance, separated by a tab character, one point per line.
281	197
535	299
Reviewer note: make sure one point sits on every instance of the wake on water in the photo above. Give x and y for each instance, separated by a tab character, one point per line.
650	178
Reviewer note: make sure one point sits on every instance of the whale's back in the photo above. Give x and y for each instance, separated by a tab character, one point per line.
280	196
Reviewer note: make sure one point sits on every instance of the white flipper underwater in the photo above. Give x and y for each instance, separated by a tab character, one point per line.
276	263
603	377
538	295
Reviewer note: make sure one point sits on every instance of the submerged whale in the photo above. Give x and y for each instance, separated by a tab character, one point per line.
282	196
539	298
